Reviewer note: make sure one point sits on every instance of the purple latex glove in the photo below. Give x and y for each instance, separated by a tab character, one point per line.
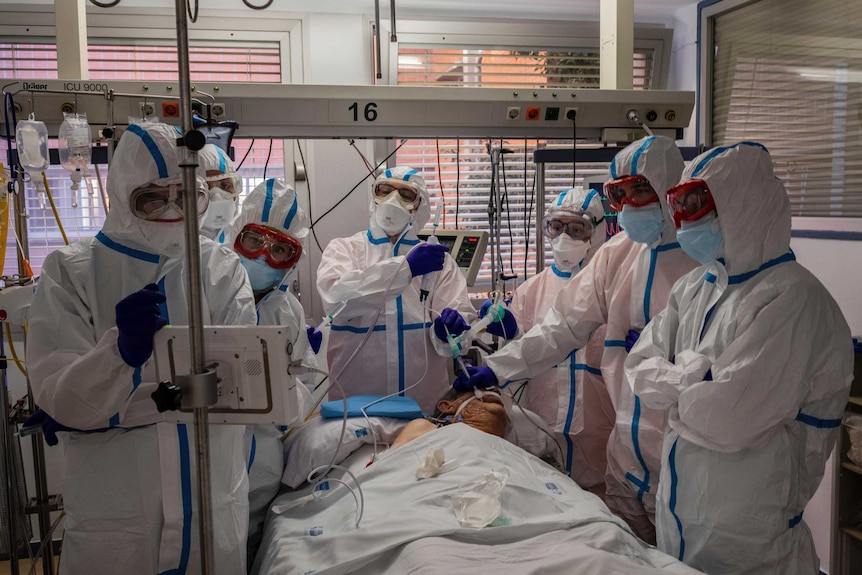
507	328
452	320
426	258
315	337
481	377
49	425
632	339
138	320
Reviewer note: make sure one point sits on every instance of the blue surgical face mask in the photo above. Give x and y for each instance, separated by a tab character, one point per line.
702	240
642	225
261	276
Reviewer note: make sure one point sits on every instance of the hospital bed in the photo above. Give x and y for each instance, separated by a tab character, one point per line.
547	523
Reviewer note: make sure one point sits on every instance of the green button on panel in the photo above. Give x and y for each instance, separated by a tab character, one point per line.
552	114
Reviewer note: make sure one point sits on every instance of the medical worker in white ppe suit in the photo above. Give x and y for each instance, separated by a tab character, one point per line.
268	237
754	360
623	286
129	480
224	184
389	260
571	397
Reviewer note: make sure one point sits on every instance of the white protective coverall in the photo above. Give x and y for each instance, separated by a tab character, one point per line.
624	286
358	269
571	397
746	449
274	204
129	491
223	205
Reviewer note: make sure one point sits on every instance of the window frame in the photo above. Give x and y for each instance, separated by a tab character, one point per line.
840	227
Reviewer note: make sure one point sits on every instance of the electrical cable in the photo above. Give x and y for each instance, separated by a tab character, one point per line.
253	7
440	181
192	17
574	148
353	189
361	155
526	213
527	220
105	4
457	179
505	198
266	164
310	217
250	147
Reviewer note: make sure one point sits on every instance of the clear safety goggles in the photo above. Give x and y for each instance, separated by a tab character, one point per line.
164	203
689	201
635	191
578	227
230	183
407	194
279	250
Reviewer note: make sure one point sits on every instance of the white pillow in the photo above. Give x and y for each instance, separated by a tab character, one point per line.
313	444
528	436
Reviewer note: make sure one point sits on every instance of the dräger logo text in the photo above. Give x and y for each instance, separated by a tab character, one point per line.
28	86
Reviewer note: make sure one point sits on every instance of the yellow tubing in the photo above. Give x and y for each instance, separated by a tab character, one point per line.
54	208
15	358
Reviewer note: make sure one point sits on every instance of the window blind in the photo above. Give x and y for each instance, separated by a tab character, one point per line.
464	169
788	74
82	213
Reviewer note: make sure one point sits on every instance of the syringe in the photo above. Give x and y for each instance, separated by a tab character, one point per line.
327	319
429	279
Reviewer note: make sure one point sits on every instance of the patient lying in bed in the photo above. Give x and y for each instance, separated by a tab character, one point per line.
546	524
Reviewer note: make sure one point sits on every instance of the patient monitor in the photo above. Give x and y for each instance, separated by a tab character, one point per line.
252	369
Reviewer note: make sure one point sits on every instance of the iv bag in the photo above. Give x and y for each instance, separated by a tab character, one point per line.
73	144
32	139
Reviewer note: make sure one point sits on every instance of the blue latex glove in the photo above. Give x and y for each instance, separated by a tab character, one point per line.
631	339
452	320
50	426
507	328
315	337
138	320
475	377
426	258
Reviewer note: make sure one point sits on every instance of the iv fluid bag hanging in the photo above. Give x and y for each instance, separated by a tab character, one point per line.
73	145
32	140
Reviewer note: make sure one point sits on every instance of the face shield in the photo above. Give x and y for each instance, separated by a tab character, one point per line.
162	201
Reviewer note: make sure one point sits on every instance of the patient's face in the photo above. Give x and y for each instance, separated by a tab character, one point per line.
485	414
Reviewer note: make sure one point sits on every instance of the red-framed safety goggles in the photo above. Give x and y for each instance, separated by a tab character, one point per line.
689	201
280	251
635	191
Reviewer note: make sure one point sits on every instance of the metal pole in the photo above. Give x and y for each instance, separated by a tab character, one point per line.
196	321
42	499
493	213
378	73
20	207
540	213
8	431
393	37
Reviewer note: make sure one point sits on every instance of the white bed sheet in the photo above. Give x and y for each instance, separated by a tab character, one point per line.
409	526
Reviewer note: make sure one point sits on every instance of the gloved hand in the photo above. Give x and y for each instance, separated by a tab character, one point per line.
631	339
475	377
50	426
315	337
507	328
452	320
137	320
426	258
